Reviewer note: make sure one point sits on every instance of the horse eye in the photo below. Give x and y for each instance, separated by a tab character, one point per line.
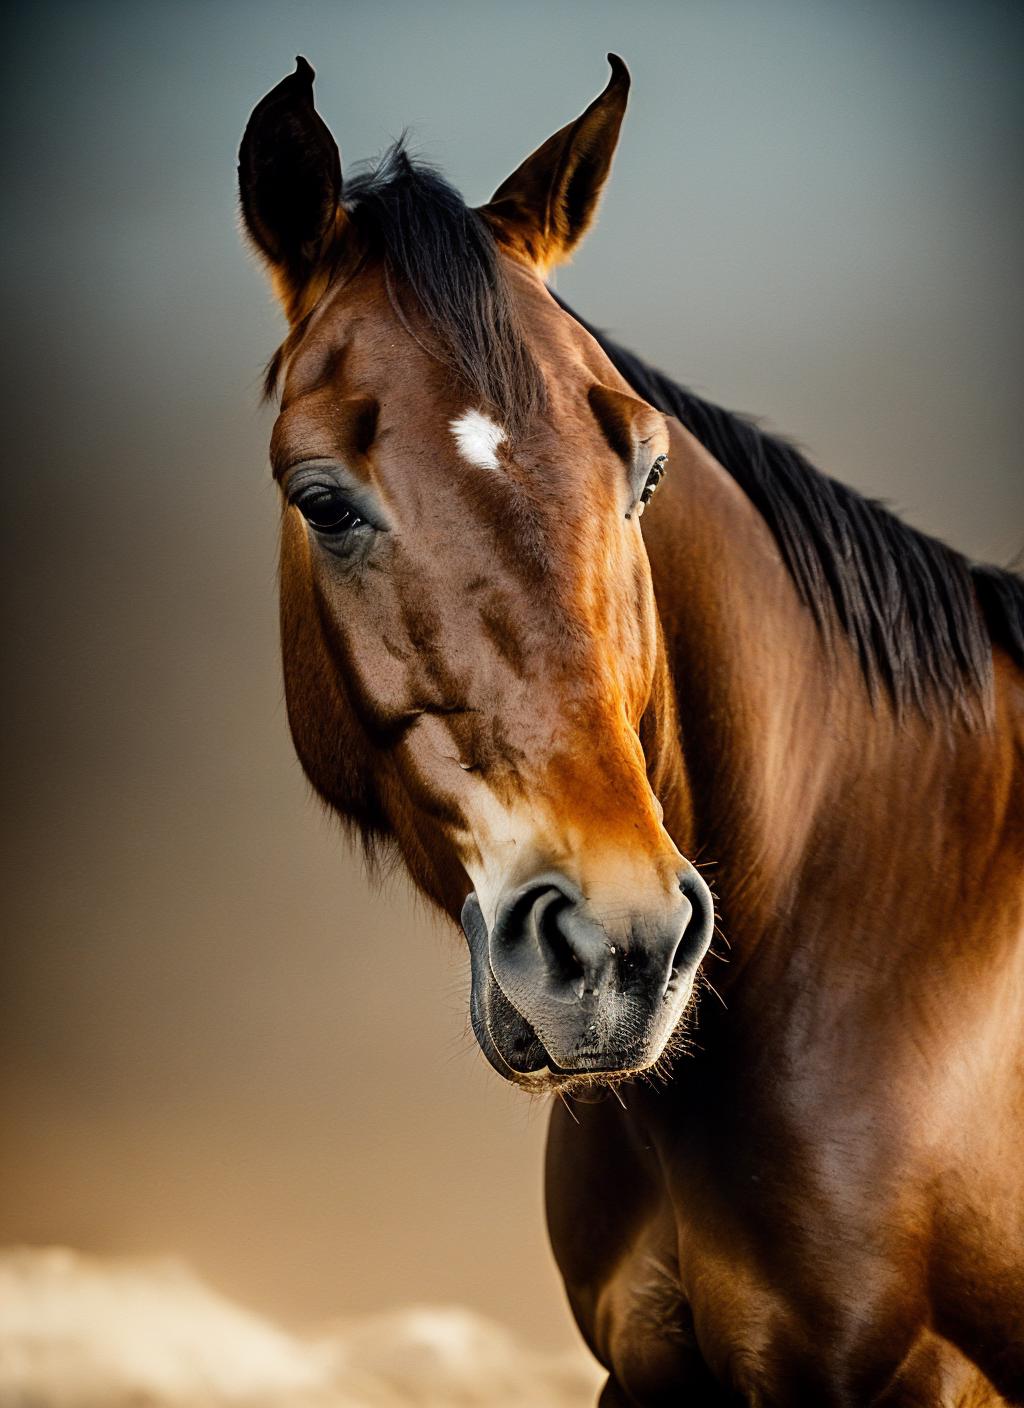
326	510
654	478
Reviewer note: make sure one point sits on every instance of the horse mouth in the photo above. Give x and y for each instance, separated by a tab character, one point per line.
594	1068
514	1049
573	1038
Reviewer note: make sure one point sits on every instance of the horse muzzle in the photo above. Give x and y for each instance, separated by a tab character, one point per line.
558	986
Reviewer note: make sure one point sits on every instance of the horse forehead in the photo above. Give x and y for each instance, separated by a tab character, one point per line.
477	437
354	334
358	323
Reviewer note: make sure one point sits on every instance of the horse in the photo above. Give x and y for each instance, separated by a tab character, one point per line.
568	717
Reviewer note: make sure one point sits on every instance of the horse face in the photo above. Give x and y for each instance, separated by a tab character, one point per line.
472	653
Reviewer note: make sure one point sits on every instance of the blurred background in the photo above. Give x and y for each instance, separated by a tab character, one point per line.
815	215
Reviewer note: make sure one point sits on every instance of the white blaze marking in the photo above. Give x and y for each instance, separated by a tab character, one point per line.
505	843
508	845
478	438
504	847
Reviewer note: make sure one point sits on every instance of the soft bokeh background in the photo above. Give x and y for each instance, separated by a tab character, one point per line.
215	1038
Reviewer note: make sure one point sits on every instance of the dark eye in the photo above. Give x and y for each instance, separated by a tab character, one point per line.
654	478
326	509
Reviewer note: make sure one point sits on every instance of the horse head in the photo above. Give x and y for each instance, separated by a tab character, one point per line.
474	664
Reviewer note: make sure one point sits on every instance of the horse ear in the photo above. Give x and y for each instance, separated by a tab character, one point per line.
546	206
289	180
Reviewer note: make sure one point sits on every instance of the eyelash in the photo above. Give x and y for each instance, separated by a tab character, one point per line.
320	496
654	478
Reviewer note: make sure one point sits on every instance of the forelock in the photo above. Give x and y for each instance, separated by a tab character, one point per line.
445	280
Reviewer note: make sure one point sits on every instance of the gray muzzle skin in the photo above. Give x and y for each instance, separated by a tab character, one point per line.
553	987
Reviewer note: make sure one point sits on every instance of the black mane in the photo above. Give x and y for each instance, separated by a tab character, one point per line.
442	253
445	282
921	617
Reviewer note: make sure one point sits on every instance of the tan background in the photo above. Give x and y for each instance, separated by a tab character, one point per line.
216	1039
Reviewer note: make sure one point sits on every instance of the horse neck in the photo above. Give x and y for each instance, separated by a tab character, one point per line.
807	797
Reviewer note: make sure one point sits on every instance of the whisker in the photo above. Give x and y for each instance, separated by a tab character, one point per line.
709	984
565	1101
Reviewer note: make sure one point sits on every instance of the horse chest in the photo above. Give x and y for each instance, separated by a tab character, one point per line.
658	1337
667	1293
743	1283
694	1293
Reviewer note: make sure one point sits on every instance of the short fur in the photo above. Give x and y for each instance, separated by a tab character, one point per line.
921	617
554	713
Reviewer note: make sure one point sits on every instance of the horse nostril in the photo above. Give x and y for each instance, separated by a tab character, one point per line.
549	916
541	913
696	936
548	920
548	946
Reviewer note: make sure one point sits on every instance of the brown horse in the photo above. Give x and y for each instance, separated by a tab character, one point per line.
813	1192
